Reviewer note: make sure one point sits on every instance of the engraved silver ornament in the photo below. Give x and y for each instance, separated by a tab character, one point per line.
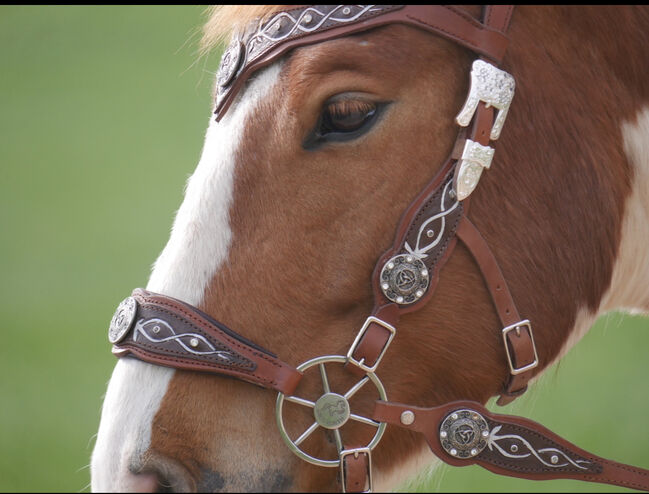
464	433
230	63
404	279
122	320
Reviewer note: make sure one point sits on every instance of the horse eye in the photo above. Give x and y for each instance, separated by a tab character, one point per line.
346	116
343	120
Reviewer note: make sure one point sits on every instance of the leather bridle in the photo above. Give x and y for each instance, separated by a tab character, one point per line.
165	331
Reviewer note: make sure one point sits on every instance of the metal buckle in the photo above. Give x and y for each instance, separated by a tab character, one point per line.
356	452
352	349
517	328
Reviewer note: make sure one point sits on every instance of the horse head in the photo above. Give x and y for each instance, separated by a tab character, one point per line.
306	171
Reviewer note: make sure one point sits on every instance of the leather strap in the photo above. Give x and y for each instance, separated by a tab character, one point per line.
166	331
512	446
262	44
356	472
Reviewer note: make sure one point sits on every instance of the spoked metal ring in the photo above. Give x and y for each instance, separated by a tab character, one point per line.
331	410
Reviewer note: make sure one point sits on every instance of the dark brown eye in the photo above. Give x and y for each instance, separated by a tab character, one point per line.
343	119
346	115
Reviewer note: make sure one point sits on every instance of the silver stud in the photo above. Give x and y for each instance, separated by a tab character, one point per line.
443	434
430	233
407	417
346	10
390	265
399	300
409	258
453	451
485	433
424	272
193	342
278	25
419	293
385	286
554	459
474	452
514	448
454	416
308	18
156	329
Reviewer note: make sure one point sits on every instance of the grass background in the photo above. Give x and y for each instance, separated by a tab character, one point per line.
102	117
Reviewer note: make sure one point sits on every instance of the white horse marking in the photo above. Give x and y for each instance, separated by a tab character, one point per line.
198	245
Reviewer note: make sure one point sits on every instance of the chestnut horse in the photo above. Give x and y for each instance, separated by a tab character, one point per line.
298	192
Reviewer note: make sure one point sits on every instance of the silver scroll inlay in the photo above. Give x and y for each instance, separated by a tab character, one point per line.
159	331
548	457
463	434
475	158
230	62
493	86
424	243
404	279
122	320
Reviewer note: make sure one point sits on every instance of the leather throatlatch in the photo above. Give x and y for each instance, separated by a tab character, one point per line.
166	331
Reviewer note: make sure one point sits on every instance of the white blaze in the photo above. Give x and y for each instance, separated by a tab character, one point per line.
198	245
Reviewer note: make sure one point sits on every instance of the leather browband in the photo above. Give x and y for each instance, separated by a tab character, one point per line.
261	45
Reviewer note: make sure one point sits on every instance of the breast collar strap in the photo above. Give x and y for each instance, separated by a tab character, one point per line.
165	331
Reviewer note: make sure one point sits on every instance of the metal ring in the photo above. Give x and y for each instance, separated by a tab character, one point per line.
281	397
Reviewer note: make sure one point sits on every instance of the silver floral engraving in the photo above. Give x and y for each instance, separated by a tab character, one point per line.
230	62
421	248
493	86
557	458
193	343
475	158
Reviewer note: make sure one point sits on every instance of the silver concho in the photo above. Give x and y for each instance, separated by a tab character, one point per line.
230	62
464	433
122	320
404	279
331	411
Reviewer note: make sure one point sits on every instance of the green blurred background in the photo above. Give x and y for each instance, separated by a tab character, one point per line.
102	117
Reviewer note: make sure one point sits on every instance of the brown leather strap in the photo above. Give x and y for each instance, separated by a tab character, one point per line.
356	472
262	44
506	445
168	332
519	343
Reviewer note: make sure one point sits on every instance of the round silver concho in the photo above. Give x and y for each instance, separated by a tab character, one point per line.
331	411
404	279
230	63
464	433
122	320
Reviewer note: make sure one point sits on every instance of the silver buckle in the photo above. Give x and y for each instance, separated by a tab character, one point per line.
356	452
517	327
352	349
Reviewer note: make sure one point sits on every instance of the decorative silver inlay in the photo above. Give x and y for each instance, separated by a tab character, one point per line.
193	343
421	248
266	35
493	86
556	454
122	320
406	278
230	62
462	433
475	158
